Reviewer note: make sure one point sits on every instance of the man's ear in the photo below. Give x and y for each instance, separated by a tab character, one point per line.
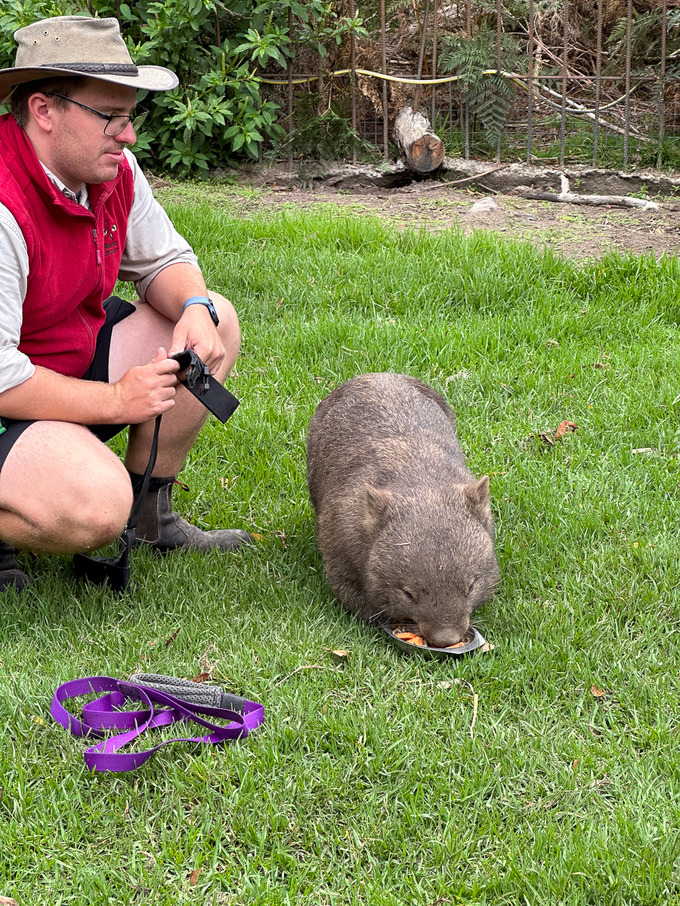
41	110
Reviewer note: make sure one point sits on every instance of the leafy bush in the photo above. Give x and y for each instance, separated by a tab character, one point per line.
218	115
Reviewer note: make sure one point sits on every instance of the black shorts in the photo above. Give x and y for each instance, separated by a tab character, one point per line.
116	310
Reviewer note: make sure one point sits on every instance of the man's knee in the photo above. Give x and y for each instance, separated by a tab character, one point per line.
78	496
89	511
103	509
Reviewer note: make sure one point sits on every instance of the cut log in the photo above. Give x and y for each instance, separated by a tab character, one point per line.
422	148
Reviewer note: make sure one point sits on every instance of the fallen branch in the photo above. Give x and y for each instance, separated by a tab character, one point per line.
623	201
467	179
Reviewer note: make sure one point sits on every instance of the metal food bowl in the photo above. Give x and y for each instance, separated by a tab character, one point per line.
472	640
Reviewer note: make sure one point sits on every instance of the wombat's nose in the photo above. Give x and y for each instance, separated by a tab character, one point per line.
442	636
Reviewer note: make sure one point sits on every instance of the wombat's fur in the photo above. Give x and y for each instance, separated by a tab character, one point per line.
404	529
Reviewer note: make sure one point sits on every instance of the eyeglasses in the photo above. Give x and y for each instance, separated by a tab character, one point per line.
115	123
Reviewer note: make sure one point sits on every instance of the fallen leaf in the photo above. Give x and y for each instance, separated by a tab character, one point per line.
598	693
201	678
194	877
339	653
565	428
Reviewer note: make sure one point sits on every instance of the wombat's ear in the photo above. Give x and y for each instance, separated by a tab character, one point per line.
477	495
377	508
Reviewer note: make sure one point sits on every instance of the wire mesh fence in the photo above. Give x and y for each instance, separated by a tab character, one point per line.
567	81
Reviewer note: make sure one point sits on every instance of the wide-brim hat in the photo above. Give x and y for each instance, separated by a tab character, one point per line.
79	46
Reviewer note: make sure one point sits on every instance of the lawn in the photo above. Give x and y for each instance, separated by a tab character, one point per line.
545	771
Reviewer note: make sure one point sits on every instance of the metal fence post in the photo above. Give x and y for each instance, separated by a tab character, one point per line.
434	56
565	48
289	95
383	36
662	86
598	82
466	108
530	81
626	106
499	45
353	66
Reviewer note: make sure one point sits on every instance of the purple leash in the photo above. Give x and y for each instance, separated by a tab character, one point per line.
103	715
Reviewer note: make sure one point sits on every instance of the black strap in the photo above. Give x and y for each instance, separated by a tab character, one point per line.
115	571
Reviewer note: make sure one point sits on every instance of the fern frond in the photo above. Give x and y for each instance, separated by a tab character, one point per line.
488	97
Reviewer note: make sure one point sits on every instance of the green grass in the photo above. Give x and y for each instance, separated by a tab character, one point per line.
371	781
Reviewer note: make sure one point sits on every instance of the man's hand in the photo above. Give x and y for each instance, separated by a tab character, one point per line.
195	330
146	391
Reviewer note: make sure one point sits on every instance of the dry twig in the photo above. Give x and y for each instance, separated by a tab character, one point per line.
298	669
467	179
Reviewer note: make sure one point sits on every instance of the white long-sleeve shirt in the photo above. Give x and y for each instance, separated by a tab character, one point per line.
152	244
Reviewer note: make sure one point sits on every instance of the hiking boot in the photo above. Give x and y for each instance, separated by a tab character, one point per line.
11	575
165	531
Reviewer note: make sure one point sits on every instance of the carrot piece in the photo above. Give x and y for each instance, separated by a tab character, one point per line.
410	637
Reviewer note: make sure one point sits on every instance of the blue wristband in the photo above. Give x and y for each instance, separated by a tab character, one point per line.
202	300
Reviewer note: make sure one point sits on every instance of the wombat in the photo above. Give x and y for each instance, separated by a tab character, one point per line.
404	529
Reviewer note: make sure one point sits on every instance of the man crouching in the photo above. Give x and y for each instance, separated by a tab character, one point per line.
77	365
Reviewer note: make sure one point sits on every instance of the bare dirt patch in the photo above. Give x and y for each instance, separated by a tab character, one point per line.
575	230
572	230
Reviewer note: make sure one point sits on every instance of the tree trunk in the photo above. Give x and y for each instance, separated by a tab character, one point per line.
423	150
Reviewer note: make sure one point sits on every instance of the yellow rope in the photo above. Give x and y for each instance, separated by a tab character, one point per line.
440	81
368	72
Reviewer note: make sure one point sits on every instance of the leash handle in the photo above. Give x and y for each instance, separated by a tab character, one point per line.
103	715
190	691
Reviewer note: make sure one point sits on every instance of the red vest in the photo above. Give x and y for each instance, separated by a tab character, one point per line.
74	254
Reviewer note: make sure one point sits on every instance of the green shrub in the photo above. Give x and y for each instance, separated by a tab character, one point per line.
218	115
